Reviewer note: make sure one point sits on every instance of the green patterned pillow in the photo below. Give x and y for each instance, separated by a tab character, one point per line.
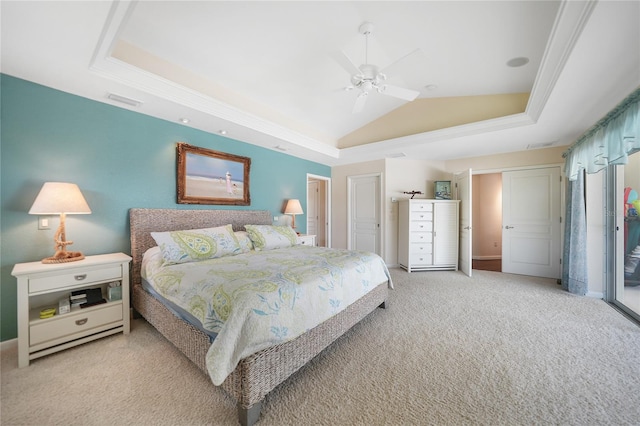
269	237
246	245
197	244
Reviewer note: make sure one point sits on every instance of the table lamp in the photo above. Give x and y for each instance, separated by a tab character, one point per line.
293	208
60	198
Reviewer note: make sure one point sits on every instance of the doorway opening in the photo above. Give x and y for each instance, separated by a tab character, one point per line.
486	250
319	209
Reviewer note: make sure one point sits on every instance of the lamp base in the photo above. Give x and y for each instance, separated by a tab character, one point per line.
64	256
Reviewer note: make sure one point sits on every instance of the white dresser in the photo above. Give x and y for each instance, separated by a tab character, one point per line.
428	234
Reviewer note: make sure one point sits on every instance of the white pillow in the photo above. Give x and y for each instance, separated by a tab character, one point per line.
197	244
269	237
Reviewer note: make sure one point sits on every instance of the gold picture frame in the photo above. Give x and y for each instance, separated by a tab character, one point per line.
206	176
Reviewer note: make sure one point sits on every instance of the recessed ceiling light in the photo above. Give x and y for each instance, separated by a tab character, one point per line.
280	147
184	120
431	87
222	132
517	62
397	155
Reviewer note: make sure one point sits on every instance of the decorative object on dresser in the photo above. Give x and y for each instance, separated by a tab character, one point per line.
47	286
60	198
428	234
293	208
206	176
257	374
442	190
412	193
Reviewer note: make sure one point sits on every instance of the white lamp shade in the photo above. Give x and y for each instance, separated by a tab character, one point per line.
58	198
293	207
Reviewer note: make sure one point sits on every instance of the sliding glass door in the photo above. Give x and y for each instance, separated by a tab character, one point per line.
623	289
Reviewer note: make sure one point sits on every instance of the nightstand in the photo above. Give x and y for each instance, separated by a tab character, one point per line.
43	285
307	240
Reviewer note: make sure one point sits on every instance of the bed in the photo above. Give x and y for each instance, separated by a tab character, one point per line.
257	374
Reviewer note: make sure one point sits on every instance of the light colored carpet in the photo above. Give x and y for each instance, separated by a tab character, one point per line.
496	349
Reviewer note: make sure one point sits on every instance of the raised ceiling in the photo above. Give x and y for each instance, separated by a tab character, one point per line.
266	72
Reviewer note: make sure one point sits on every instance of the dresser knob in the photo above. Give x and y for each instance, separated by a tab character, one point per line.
80	277
82	321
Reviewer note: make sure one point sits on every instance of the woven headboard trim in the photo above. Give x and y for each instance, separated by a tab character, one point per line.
144	221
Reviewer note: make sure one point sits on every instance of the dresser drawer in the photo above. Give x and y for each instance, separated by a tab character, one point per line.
421	216
420	259
421	207
88	276
75	322
420	248
421	237
420	226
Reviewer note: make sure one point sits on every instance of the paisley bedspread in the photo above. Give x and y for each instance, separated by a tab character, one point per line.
263	298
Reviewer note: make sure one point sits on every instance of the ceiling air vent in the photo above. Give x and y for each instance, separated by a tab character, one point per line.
124	100
540	145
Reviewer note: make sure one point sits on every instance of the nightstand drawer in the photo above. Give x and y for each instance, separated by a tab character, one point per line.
75	322
80	277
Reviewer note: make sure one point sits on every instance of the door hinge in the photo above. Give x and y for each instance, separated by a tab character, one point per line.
560	219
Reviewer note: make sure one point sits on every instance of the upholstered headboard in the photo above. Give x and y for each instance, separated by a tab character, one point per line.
144	221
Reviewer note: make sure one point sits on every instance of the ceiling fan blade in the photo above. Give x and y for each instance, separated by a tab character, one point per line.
360	101
389	69
344	61
399	92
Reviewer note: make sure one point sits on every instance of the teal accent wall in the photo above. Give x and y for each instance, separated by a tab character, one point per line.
119	159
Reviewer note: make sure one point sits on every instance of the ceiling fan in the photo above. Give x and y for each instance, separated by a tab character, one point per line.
368	77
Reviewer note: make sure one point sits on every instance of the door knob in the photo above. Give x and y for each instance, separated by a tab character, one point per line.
508	227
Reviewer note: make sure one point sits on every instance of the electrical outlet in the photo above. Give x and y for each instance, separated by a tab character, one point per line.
275	218
43	223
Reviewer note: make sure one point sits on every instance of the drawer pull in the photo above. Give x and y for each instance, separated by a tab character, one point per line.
82	321
80	277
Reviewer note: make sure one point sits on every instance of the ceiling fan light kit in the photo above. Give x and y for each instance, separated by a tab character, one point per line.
368	77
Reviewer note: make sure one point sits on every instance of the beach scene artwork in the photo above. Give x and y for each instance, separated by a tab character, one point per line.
210	177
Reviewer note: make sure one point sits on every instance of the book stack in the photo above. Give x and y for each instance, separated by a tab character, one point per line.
86	297
77	298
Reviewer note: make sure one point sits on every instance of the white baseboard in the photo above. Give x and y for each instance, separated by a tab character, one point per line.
494	257
595	295
8	344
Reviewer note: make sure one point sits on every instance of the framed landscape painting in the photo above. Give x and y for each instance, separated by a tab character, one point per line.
206	176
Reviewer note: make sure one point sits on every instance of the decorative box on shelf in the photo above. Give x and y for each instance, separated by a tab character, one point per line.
43	286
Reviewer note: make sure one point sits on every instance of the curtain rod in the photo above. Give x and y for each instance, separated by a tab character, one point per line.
614	113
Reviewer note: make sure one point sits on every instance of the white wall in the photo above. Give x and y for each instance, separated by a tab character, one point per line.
406	175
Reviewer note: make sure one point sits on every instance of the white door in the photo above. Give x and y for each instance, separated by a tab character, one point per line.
364	213
463	193
531	222
312	208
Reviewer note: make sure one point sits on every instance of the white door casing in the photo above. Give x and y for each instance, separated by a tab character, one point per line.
463	193
322	208
364	213
531	222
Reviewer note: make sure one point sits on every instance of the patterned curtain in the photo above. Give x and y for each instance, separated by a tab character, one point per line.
608	142
574	271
